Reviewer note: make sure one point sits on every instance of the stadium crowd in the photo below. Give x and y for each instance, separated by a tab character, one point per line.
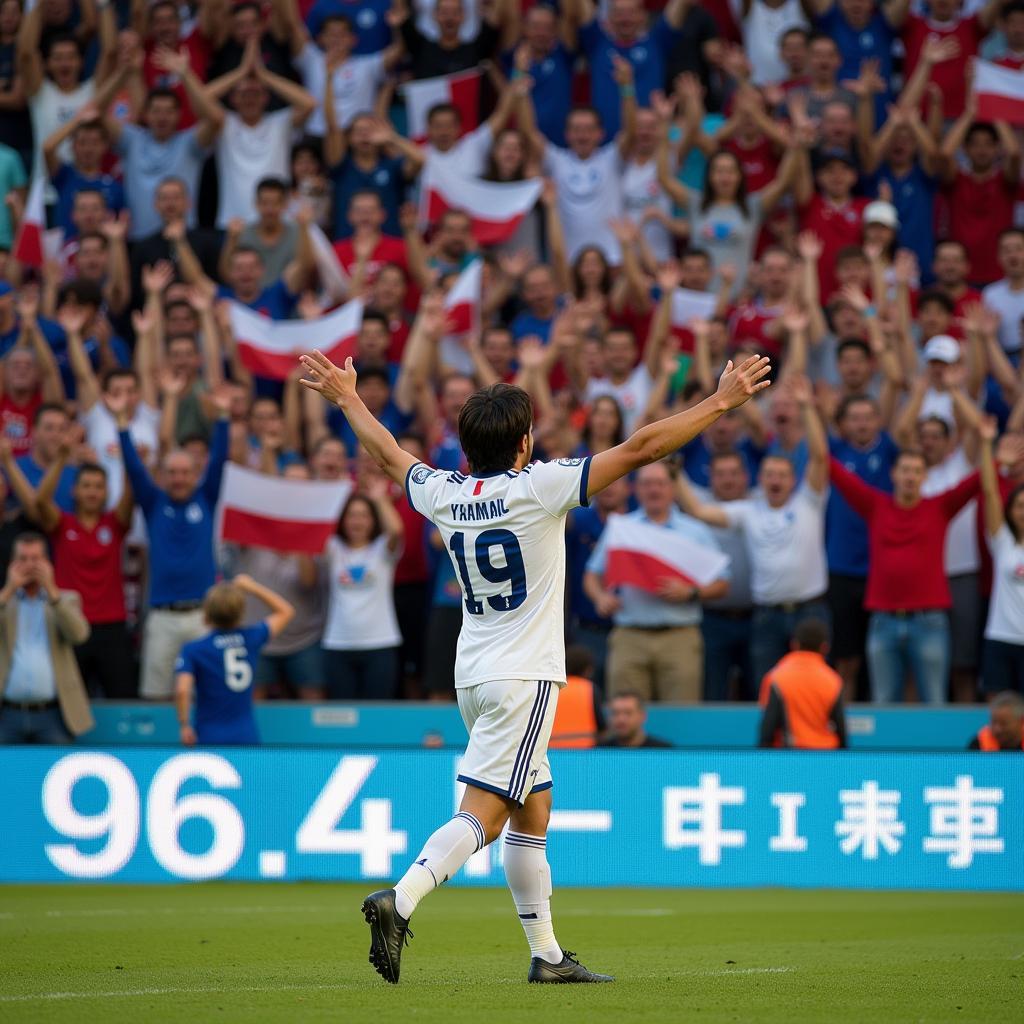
806	179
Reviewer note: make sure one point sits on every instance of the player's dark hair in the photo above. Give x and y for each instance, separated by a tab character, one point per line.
810	635
375	515
491	424
578	661
49	407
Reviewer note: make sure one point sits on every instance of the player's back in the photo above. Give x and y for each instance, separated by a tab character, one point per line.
223	665
505	534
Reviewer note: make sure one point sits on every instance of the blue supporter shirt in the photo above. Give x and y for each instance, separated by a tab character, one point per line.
387	179
181	560
223	664
275	301
34	474
527	325
846	533
873	42
913	195
552	91
648	55
697	459
368	18
583	528
68	181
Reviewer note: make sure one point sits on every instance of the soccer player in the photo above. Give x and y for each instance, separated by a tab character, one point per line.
503	525
219	667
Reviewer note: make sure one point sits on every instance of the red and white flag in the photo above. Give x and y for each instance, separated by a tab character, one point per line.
496	209
274	512
461	90
28	245
643	555
462	305
270	348
335	282
687	306
1000	93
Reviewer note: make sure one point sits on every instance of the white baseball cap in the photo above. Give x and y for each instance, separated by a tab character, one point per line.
881	212
942	349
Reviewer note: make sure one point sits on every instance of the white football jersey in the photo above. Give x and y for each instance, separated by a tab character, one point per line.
505	534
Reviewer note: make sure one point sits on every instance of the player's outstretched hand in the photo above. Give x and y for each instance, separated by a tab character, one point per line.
739	384
335	383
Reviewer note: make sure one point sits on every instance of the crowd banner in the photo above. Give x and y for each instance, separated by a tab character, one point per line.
646	817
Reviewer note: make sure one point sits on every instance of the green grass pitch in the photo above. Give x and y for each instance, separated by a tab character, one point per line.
297	952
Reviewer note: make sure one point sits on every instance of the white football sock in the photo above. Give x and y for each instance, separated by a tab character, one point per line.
442	856
529	878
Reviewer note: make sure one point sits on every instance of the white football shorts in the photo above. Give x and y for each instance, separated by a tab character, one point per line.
509	723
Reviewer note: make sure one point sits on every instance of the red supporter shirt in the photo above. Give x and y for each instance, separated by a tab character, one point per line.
16	421
949	75
759	162
412	566
978	211
906	569
89	562
387	250
155	78
749	322
837	227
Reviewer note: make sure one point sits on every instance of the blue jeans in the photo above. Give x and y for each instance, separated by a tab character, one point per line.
917	642
46	726
726	646
772	629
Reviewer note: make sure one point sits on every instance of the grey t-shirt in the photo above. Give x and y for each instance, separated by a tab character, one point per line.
725	234
280	572
275	257
146	162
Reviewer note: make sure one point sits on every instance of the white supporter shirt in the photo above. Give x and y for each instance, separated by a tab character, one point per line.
1006	612
467	158
589	195
762	31
1009	304
632	394
785	545
245	155
640	190
505	534
49	110
355	85
961	538
101	437
361	609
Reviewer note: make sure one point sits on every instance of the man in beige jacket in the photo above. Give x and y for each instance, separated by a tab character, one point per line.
43	697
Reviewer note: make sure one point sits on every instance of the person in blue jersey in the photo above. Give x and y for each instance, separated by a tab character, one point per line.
217	669
180	520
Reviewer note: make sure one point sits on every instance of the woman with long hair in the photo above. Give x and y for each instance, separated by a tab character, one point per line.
725	219
361	638
604	427
1002	666
511	159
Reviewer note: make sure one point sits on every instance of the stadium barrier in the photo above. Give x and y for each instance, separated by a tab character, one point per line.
659	818
403	724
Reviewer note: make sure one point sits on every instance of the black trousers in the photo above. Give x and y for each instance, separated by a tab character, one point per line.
107	662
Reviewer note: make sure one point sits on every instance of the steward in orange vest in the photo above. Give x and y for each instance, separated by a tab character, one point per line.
1005	730
802	697
578	718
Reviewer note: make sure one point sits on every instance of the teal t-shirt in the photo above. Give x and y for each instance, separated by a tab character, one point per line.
12	175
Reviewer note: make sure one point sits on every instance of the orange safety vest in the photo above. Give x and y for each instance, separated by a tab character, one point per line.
575	722
808	689
988	741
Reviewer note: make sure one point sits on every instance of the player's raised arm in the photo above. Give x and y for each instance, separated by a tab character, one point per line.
338	385
653	442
